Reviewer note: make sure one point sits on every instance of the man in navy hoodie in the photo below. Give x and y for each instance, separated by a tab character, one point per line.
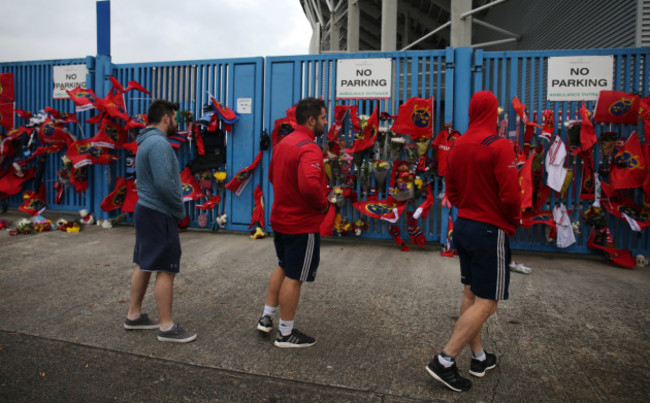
159	208
482	183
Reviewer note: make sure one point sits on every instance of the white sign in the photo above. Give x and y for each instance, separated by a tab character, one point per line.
68	78
364	78
245	105
579	78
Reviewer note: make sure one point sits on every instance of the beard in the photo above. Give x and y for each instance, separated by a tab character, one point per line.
319	131
172	129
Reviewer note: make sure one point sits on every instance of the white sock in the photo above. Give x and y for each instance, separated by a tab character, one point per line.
168	329
286	326
480	355
270	311
444	361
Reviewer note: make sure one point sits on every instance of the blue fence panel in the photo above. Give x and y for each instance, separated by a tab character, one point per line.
33	88
188	84
421	74
523	74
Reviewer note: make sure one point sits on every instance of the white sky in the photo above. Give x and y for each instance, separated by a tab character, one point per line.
154	30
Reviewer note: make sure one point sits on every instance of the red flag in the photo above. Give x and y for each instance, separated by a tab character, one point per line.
449	245
526	183
51	134
134	85
644	113
11	184
23	114
340	112
113	105
617	107
587	133
7	115
281	128
602	241
588	188
35	202
131	197
117	87
368	134
137	121
7	87
115	199
530	218
61	117
520	110
415	118
629	167
79	178
84	99
209	204
226	114
82	153
387	210
47	150
258	210
637	216
190	186
110	135
239	182
423	209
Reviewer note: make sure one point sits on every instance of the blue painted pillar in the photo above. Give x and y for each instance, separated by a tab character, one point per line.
99	175
462	86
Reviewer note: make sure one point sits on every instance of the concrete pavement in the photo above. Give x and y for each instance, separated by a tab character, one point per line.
576	329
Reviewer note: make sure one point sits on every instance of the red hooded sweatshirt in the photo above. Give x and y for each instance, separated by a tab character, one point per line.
482	179
299	184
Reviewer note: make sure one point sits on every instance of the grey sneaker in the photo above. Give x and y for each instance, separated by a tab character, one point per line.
142	323
294	340
519	268
265	324
176	335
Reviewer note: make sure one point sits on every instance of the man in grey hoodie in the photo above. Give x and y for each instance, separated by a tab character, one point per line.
159	208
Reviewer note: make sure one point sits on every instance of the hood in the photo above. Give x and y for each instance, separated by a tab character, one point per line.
483	111
146	133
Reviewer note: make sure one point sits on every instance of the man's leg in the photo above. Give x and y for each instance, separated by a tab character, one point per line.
164	294
289	296
468	300
469	324
273	292
139	283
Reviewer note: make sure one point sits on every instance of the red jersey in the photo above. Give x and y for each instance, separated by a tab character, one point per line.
299	184
443	142
482	180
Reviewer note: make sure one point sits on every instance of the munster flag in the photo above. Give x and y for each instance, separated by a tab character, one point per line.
10	184
520	110
340	112
387	210
7	87
530	218
258	210
587	133
368	134
131	197
617	107
137	121
241	178
588	187
637	216
35	202
113	105
415	118
629	167
644	114
52	134
281	128
209	204
115	199
23	114
84	99
82	152
602	240
110	135
61	117
7	115
226	114
190	186
79	178
526	183
134	85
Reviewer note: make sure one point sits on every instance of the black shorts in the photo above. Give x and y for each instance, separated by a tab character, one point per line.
484	252
298	254
157	246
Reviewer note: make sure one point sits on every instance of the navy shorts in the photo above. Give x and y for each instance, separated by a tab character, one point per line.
298	254
157	246
484	252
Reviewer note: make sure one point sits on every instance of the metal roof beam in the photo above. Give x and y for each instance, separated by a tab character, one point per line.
495	28
476	10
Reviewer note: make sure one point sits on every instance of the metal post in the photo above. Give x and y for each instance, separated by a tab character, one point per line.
462	86
353	25
461	28
103	27
388	25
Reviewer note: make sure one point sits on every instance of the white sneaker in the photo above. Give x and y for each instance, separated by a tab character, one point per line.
519	268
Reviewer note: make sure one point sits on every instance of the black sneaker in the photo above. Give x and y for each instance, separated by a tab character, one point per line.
142	323
448	376
176	335
478	368
294	340
265	324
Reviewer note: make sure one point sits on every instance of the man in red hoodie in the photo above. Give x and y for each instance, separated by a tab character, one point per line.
299	206
482	183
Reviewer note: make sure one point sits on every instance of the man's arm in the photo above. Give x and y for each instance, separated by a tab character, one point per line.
310	172
508	180
167	180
